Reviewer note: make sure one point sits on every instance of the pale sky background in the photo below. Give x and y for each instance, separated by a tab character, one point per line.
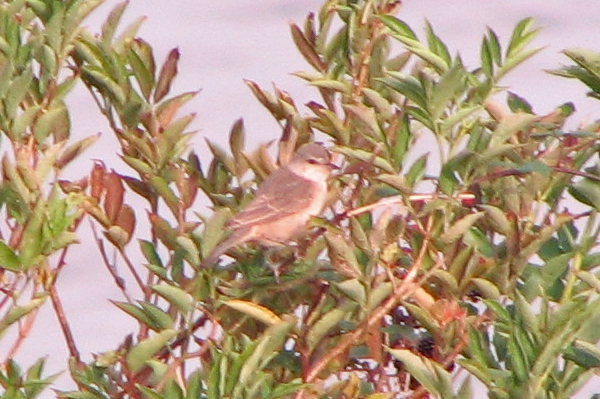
221	43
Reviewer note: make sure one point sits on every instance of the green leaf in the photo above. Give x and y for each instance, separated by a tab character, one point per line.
436	45
522	34
527	315
398	26
146	349
586	59
160	319
450	84
76	14
32	241
16	313
162	188
494	47
461	261
23	122
339	248
417	170
430	374
256	311
16	93
590	279
433	60
142	63
53	29
518	104
194	385
366	156
287	389
536	166
81	395
584	354
498	219
586	191
381	105
150	393
487	63
149	251
378	295
479	351
515	60
409	86
518	362
460	227
333	85
327	322
403	141
190	251
110	25
353	289
138	165
98	78
486	288
269	344
128	33
214	230
137	313
8	258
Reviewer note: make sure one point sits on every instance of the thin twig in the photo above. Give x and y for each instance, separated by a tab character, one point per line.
111	269
64	324
24	331
9	291
145	288
399	200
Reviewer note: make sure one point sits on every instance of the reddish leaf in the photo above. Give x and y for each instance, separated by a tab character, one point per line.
167	73
307	49
126	220
113	202
168	108
97	180
76	186
186	184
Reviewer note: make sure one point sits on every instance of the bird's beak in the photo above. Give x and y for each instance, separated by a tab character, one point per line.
334	170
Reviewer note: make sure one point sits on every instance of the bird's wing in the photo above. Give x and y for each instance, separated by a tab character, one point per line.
283	193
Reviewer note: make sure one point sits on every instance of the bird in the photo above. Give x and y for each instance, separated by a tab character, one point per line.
284	203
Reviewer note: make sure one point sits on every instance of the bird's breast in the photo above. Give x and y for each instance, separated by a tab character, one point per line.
317	202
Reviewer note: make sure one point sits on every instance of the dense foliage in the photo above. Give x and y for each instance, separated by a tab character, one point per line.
492	278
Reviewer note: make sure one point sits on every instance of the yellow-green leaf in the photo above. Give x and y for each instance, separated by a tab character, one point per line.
146	349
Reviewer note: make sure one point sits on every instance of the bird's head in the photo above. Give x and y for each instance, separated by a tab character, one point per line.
313	162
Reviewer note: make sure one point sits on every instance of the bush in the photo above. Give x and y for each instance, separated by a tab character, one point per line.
425	271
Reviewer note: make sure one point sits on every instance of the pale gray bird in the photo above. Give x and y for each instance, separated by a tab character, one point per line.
284	202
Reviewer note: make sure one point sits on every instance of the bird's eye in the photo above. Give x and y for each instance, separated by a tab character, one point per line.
313	161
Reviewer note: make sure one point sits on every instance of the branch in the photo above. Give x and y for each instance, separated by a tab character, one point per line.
64	324
405	289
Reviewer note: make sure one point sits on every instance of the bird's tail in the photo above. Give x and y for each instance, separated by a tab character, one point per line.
237	237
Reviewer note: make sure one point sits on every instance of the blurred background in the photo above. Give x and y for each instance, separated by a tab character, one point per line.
223	42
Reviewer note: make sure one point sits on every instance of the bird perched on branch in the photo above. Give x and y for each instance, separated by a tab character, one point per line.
284	202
